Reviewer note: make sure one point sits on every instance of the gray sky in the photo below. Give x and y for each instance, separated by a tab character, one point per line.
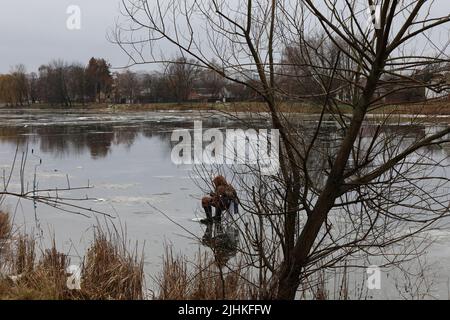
34	32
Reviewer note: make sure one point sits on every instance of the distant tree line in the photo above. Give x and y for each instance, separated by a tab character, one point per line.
182	80
58	83
179	81
61	83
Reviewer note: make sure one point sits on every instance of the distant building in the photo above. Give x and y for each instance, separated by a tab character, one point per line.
401	90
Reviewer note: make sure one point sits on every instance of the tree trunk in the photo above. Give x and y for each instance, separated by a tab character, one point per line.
289	278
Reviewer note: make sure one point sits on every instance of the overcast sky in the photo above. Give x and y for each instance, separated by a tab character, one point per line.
34	32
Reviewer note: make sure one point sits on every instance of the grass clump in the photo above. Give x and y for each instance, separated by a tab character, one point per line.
5	226
202	280
109	270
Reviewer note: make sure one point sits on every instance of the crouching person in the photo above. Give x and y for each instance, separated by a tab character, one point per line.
224	198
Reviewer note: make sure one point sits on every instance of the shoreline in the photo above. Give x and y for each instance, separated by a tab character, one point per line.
436	112
440	108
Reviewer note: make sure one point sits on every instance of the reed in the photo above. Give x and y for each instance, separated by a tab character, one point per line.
109	269
203	279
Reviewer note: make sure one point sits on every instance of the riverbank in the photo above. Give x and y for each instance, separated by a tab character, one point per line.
430	108
110	269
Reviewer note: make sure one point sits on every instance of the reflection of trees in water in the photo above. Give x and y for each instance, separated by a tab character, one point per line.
14	135
62	140
97	139
124	135
162	133
330	138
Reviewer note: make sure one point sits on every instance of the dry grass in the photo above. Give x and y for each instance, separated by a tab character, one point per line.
181	279
24	256
109	270
5	226
431	108
423	108
231	107
202	280
31	279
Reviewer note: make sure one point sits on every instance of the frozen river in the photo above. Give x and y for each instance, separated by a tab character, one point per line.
127	158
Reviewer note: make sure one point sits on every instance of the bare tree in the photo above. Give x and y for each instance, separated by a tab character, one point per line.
181	74
358	188
14	87
77	83
212	83
21	84
99	79
53	83
127	86
33	81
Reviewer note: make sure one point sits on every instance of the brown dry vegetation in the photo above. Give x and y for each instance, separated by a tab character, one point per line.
201	280
5	226
109	269
428	108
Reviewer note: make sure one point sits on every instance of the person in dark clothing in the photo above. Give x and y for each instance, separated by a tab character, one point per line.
207	204
224	198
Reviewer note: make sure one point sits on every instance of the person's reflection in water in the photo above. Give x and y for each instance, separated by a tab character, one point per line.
222	239
221	235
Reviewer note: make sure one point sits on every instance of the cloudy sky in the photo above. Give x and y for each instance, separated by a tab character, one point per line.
34	32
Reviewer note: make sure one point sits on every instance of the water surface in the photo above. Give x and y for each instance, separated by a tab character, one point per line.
126	157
